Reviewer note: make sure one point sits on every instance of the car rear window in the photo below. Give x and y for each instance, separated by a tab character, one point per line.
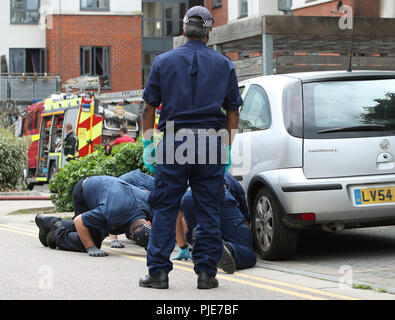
349	109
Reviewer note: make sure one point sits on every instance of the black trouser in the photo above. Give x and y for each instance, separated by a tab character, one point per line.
67	237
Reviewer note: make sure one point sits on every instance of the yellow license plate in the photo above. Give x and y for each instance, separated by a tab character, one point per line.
374	195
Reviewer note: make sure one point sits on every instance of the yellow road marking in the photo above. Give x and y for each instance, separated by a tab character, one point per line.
245	282
226	277
17	231
294	286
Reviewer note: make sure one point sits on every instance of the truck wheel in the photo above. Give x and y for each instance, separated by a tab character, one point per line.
273	240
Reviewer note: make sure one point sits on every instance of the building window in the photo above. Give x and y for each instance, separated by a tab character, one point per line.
25	11
243	8
217	3
148	59
95	5
28	60
95	61
163	19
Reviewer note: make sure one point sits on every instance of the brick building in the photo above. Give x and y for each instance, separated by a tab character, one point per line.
101	38
106	46
72	38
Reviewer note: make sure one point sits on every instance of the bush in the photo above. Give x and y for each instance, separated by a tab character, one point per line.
13	154
124	158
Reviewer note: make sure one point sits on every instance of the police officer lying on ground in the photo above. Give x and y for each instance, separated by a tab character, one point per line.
237	238
103	205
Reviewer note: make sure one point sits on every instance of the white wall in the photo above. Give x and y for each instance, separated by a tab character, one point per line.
255	8
297	4
117	7
387	9
18	36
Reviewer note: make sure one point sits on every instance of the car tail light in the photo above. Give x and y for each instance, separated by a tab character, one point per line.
304	216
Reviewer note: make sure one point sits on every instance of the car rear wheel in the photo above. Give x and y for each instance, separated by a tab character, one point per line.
273	240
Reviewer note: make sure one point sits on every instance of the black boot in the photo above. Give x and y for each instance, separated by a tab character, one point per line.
227	262
158	281
205	281
51	240
44	224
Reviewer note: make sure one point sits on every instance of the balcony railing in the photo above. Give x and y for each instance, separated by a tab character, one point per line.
24	88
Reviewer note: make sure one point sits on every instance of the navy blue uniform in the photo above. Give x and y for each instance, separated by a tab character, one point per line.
139	179
233	217
193	83
112	206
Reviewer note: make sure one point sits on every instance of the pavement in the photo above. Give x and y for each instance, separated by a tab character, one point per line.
363	258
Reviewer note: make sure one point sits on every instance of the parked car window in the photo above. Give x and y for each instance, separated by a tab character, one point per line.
349	109
255	111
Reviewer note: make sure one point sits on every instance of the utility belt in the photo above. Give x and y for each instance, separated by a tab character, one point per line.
202	131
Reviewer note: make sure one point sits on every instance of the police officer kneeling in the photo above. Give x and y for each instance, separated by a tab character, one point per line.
193	83
103	205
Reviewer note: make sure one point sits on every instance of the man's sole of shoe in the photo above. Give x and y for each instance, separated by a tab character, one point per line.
42	234
227	262
155	285
206	282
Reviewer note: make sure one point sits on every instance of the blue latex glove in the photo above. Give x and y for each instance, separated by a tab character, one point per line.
183	254
229	161
149	155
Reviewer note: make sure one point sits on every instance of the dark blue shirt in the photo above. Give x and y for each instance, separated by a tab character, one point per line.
236	192
139	179
113	202
192	82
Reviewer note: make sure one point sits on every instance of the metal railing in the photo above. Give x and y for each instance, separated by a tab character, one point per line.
22	88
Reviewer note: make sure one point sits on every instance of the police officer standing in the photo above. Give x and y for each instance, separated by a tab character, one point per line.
193	83
70	143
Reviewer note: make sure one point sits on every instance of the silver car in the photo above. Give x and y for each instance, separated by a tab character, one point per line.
316	150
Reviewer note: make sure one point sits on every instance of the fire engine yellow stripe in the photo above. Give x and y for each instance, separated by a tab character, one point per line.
35	137
96	132
84	116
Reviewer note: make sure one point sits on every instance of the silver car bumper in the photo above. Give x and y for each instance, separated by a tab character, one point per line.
331	199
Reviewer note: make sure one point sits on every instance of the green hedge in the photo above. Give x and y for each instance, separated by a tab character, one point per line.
13	155
124	158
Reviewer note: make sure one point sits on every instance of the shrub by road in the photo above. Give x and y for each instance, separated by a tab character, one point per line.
124	158
13	152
